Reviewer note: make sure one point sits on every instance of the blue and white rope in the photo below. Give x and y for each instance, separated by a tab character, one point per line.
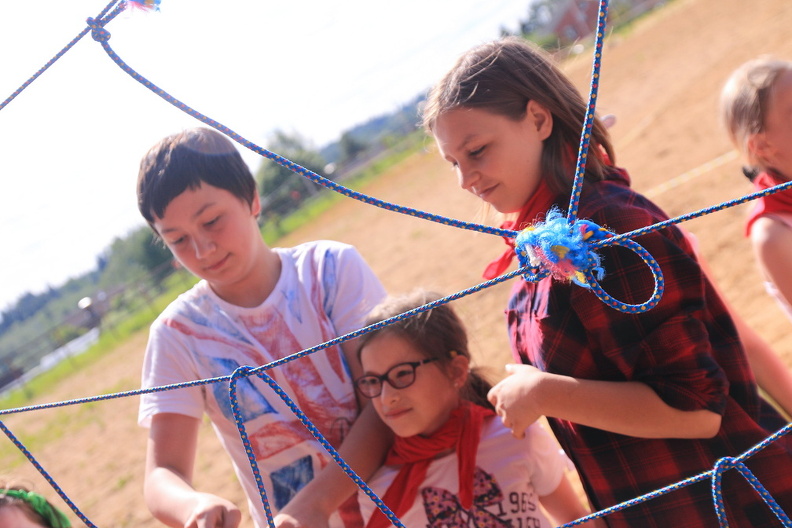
588	275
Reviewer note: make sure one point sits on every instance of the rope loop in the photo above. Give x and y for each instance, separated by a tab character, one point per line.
98	31
243	372
567	252
726	463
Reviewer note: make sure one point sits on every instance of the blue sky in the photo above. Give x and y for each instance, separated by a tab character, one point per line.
72	140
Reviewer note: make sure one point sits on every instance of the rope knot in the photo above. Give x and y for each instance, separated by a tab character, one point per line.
560	249
726	463
567	252
98	32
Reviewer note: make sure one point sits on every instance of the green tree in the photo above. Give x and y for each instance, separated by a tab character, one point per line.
351	147
134	257
540	12
283	190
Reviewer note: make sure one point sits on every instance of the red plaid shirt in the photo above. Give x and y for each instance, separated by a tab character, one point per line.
686	349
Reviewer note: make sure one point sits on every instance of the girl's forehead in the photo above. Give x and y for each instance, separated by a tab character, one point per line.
468	120
463	115
456	128
783	85
386	350
780	101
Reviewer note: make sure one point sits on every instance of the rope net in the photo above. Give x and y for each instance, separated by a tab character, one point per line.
560	243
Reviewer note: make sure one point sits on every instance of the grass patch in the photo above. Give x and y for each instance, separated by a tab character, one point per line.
112	336
37	434
324	200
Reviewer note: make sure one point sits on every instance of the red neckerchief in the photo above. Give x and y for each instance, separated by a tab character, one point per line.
462	431
539	202
537	205
780	202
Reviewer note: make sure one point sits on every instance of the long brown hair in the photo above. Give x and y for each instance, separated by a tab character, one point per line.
501	76
437	333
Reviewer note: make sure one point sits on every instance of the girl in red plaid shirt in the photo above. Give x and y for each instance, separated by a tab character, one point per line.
638	401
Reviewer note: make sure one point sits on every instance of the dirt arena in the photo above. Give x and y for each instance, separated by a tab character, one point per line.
661	78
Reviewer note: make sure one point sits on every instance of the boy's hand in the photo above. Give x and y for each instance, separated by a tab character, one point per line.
513	398
214	512
285	520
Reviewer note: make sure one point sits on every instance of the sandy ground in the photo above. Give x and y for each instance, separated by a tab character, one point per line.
661	79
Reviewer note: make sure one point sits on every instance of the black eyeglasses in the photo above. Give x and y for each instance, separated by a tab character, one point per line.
398	376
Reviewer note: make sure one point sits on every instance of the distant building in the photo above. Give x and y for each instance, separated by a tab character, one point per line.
573	20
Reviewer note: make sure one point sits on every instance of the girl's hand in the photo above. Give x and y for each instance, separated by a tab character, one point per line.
513	398
306	520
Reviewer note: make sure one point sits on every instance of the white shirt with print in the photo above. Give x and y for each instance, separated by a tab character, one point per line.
510	477
325	290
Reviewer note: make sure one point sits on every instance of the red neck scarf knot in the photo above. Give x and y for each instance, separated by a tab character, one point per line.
538	204
461	432
534	210
780	202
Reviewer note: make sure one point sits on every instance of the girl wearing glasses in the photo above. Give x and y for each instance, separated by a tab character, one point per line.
452	459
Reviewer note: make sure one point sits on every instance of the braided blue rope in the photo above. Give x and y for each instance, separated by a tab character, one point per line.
386	322
726	463
260	371
705	211
112	396
101	35
590	271
692	480
585	136
545	234
247	371
277	363
101	16
46	475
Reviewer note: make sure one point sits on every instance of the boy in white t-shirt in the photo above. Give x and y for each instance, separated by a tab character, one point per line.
254	305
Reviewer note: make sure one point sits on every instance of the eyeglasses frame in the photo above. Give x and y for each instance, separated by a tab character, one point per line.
384	377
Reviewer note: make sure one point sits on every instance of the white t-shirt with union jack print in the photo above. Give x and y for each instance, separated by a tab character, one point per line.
325	290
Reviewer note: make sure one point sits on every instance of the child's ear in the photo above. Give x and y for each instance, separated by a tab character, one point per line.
758	147
255	205
541	118
458	369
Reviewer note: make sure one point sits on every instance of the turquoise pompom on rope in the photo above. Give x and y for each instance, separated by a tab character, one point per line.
148	5
560	249
567	252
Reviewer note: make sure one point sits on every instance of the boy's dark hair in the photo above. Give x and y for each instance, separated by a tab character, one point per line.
186	160
437	333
